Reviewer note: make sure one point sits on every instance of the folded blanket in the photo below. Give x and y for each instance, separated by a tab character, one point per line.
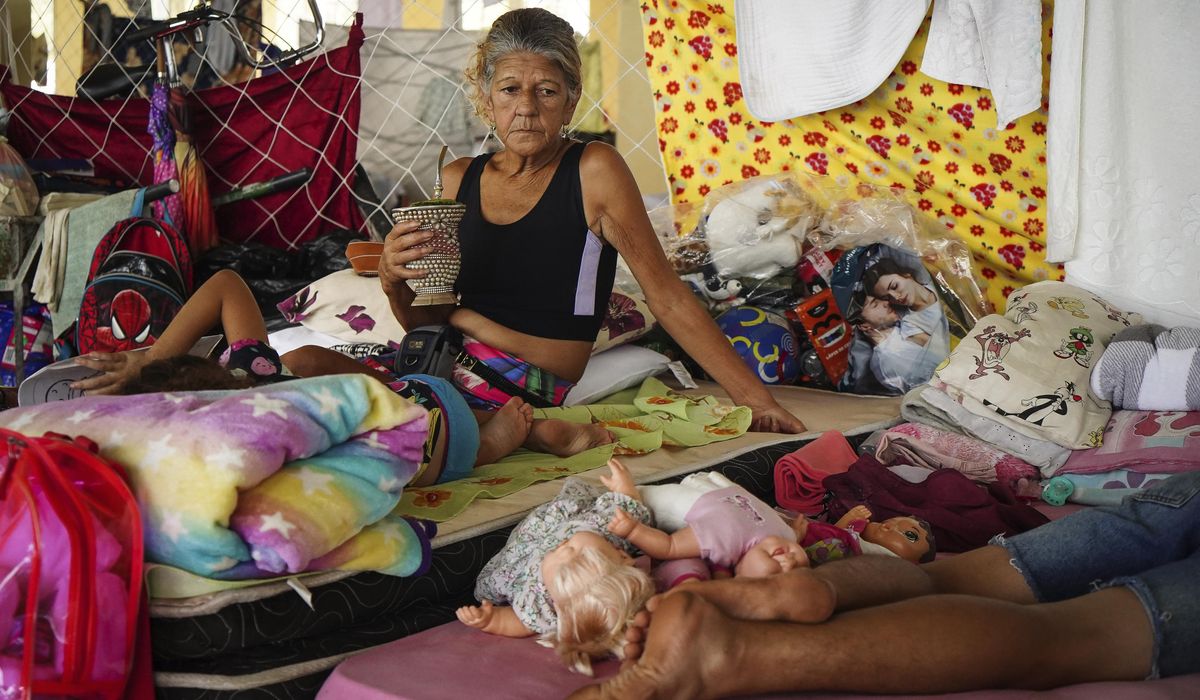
929	405
925	446
798	475
1150	368
244	484
1149	442
1029	368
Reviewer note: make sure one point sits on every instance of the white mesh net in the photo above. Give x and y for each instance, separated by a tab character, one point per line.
412	92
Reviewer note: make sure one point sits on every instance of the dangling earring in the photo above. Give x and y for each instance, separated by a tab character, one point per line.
565	132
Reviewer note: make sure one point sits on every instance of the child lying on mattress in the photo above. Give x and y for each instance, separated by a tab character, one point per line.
561	575
711	517
459	439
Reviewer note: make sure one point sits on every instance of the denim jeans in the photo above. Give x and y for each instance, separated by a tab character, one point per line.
1149	543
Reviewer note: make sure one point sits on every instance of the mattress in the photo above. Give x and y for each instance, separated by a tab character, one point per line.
281	639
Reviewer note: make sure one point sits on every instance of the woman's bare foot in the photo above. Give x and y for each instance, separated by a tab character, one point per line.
795	596
686	655
564	438
505	431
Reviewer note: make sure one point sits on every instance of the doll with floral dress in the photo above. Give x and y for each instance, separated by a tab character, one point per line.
561	575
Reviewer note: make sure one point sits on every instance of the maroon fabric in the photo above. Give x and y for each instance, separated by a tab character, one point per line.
964	515
304	116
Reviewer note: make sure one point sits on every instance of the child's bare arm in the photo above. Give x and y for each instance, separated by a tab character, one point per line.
659	545
620	480
223	300
500	620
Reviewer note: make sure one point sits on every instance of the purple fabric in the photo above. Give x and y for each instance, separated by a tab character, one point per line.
964	515
1151	442
430	665
159	127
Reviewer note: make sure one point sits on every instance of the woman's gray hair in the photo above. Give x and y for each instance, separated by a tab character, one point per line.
528	30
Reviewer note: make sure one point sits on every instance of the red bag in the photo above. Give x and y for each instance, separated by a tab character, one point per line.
141	275
70	571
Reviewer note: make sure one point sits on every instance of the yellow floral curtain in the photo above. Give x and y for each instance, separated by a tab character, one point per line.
935	142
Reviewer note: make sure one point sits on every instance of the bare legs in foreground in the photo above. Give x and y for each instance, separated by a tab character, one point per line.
967	622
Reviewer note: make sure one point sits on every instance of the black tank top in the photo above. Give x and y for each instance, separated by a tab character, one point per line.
545	274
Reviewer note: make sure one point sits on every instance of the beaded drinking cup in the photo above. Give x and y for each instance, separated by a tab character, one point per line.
441	216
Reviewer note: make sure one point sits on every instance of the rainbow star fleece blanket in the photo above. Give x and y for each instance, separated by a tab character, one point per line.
291	477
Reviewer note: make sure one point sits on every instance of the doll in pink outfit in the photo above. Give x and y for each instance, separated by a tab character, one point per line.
712	518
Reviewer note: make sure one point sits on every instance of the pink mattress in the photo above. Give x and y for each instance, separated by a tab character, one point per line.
455	661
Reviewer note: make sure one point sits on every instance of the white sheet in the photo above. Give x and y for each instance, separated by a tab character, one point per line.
989	44
1124	204
799	57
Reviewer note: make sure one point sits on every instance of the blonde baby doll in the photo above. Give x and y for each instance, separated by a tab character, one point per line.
561	575
713	518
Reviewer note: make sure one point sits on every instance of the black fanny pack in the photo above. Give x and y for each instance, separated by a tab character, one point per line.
430	350
436	350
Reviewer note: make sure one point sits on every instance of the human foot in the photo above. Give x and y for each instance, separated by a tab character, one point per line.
505	431
564	438
794	596
685	655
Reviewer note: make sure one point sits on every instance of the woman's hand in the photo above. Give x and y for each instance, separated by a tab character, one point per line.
404	244
116	368
774	419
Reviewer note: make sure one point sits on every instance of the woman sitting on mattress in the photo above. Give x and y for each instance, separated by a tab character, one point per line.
546	217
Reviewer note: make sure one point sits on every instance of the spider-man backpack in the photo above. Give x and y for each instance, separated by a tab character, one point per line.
141	274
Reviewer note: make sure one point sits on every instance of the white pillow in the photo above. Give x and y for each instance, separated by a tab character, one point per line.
347	306
613	370
354	309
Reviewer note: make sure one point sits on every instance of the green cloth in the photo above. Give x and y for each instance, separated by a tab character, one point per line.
642	421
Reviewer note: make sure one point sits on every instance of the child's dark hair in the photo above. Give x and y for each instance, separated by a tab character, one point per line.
928	556
185	373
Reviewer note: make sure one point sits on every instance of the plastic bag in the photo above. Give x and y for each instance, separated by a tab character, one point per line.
18	193
802	246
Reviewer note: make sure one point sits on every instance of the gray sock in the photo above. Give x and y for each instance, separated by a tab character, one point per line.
1117	377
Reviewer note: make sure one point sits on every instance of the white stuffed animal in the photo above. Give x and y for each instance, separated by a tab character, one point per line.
759	230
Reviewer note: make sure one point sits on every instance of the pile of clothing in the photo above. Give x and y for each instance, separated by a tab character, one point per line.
1062	398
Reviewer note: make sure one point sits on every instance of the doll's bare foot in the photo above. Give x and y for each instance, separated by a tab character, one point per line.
505	431
564	438
794	596
686	655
